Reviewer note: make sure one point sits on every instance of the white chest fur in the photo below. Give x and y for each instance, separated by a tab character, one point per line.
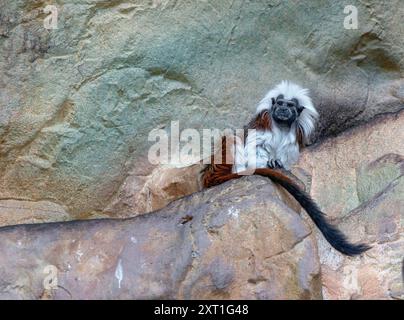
278	144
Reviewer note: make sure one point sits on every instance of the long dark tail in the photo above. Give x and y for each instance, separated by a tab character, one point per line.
334	236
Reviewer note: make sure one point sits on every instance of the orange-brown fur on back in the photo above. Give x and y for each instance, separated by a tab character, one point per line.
215	174
261	122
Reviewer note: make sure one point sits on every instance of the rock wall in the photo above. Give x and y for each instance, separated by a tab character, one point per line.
77	103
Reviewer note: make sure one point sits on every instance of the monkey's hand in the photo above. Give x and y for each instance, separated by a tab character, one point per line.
275	164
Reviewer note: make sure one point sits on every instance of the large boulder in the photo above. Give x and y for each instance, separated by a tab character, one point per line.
235	241
77	103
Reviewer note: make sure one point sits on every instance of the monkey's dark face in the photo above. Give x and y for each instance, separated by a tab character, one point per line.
285	111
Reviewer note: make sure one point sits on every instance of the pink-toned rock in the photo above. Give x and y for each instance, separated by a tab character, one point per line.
235	241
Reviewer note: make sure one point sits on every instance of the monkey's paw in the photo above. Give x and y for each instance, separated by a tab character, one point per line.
275	164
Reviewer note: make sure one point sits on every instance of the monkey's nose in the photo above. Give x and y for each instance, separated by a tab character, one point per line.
284	111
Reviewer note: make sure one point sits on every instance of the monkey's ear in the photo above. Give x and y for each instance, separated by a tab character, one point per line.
299	107
273	100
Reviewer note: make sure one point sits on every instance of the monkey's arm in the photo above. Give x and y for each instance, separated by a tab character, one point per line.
252	151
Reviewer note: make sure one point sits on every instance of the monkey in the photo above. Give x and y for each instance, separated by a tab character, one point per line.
283	122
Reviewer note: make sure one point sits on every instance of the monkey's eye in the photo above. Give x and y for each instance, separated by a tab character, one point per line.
291	104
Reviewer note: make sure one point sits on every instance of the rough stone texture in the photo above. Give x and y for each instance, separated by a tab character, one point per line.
77	103
358	178
237	245
340	182
19	212
139	195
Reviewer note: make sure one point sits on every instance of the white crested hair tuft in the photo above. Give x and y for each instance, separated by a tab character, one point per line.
308	117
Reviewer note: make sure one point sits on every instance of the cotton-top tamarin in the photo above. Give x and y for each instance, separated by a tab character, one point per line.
283	122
